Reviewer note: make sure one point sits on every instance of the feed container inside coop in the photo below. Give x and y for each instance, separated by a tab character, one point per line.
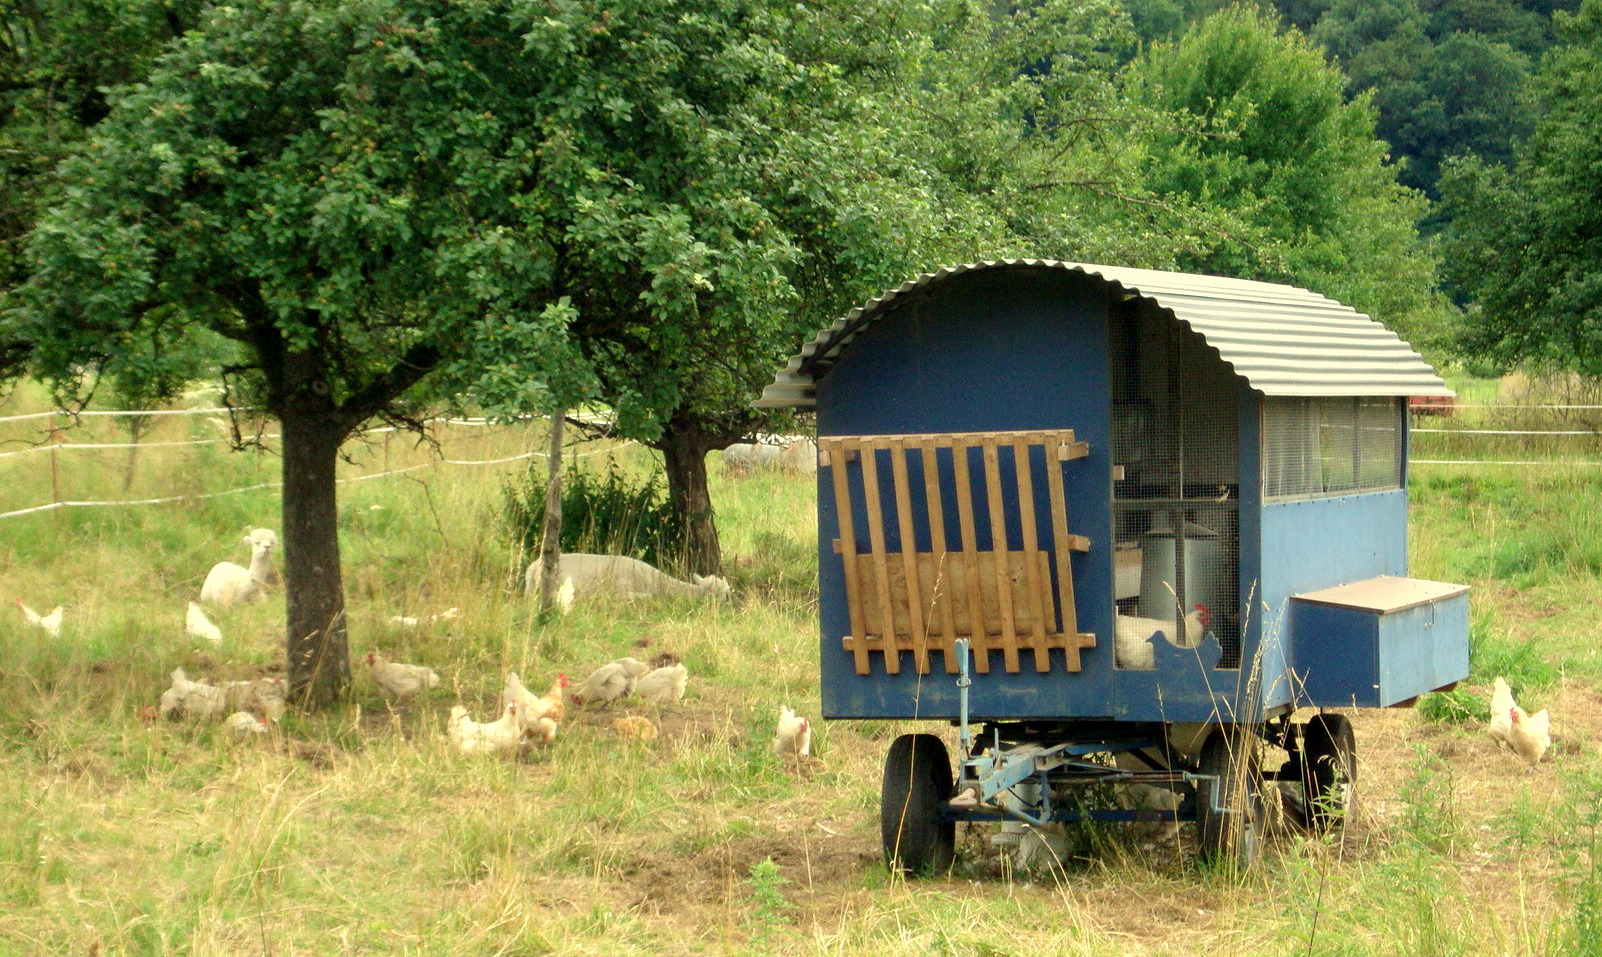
1091	516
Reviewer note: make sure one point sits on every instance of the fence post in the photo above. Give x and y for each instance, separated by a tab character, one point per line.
551	537
55	467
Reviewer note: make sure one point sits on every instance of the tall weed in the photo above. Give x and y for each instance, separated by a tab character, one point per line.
607	513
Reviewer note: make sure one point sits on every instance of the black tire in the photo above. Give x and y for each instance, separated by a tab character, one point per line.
1229	836
1328	761
918	837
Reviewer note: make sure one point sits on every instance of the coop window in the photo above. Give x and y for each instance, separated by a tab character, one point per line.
1328	446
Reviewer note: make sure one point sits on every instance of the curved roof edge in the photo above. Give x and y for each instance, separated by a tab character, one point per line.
1283	340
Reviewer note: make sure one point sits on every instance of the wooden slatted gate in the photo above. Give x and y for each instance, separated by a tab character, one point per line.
1000	599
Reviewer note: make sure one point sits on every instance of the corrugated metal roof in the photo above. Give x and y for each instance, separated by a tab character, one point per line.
1283	340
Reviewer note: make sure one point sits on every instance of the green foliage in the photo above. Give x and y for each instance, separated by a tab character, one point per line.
59	62
1296	166
766	893
608	514
1544	304
310	177
1445	81
1430	805
1586	927
1445	76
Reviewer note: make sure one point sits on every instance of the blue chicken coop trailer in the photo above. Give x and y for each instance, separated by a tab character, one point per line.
1118	525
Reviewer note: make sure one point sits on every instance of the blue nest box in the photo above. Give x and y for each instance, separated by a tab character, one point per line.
1141	496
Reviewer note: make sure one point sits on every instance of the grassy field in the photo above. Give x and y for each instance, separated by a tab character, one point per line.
362	832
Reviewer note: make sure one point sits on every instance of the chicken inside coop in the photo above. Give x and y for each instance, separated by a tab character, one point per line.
1175	448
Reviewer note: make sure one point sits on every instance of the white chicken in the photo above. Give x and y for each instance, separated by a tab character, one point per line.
503	734
664	685
1529	735
794	734
613	680
51	623
244	724
410	621
549	706
191	699
197	625
1502	705
400	680
1132	637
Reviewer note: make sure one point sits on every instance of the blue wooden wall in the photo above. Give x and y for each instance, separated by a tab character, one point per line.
993	351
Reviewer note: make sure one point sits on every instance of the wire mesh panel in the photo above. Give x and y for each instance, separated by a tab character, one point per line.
938	512
1176	452
1331	445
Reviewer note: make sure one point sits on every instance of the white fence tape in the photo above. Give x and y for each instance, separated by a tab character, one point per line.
168	499
592	418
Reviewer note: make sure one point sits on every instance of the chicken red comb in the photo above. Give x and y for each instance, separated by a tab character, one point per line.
561	678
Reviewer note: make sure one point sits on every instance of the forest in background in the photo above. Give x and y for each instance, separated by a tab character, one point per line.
1448	77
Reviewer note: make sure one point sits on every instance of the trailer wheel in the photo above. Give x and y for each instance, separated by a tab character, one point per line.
1329	770
1229	835
918	837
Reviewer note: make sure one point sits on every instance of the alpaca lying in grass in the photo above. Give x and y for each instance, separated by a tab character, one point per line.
619	576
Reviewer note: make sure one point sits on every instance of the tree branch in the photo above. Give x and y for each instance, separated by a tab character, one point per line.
373	398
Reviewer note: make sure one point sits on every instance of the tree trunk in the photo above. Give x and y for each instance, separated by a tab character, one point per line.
684	447
551	539
319	657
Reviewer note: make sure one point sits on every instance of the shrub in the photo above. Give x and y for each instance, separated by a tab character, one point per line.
602	513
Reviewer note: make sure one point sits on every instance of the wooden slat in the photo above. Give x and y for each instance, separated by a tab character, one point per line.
870	487
909	557
1048	437
1016	564
848	544
911	601
980	645
1031	544
1067	613
883	642
937	542
998	543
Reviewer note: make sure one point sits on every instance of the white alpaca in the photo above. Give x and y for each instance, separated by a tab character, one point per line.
620	576
228	584
780	453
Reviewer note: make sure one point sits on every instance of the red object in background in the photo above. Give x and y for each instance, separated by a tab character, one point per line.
1430	404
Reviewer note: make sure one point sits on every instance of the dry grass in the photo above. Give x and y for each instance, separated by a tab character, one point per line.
362	832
